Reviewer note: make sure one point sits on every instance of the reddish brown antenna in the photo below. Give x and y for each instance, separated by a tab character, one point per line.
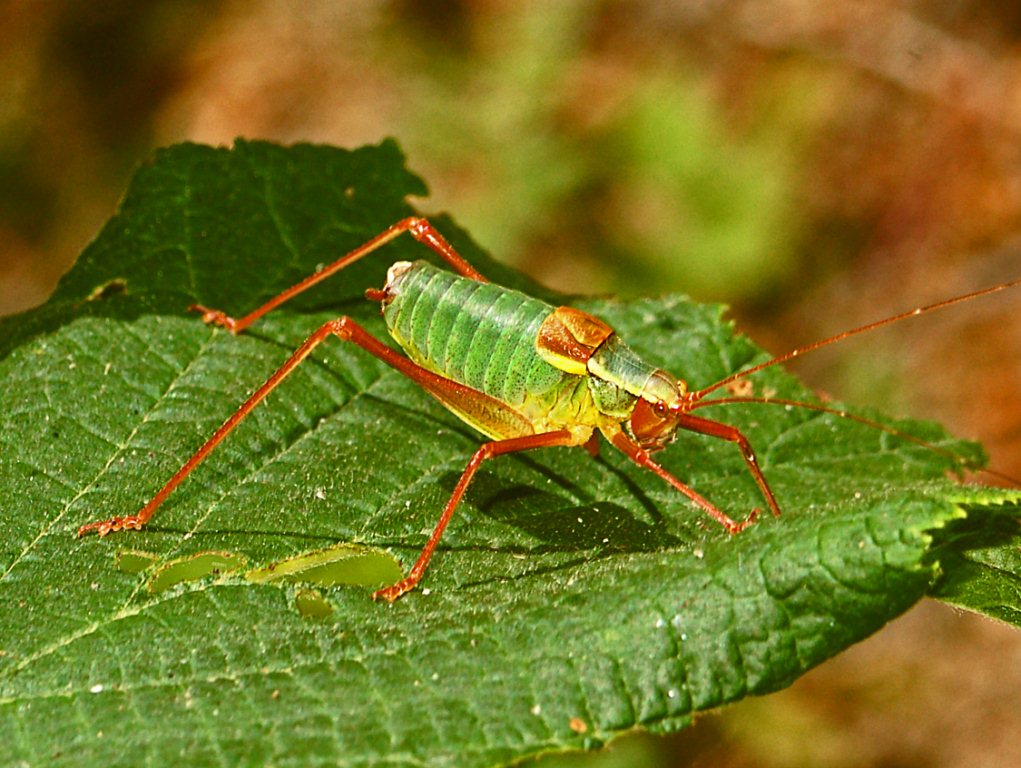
798	351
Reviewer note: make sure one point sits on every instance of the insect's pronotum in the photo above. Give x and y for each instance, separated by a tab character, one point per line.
524	373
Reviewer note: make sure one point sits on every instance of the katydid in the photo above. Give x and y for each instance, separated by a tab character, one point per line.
520	371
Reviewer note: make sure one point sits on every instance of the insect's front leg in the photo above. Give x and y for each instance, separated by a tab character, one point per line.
733	435
642	458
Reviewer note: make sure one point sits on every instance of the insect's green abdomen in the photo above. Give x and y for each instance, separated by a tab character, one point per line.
479	334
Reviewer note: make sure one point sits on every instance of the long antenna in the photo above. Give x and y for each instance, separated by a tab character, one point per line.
960	461
797	352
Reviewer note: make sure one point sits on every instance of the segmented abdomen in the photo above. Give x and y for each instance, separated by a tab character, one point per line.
479	334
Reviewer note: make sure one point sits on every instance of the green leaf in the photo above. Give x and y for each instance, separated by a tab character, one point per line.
570	600
981	561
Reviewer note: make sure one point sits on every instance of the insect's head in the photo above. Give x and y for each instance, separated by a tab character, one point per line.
654	418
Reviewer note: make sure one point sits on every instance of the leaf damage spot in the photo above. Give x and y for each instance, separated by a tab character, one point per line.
347	564
194	567
134	561
311	604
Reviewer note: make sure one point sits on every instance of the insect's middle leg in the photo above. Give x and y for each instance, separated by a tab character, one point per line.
561	437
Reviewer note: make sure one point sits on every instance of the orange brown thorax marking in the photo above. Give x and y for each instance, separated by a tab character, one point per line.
569	337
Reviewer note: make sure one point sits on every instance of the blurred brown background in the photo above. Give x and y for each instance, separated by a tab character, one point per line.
814	164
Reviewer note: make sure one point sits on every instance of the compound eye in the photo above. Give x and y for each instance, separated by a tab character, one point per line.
660	409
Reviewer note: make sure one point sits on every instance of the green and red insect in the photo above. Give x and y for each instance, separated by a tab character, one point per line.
521	371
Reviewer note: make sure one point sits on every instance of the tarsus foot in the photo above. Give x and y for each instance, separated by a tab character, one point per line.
394	591
750	520
103	527
214	317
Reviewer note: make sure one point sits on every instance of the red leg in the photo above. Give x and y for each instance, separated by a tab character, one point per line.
136	521
486	451
419	228
733	435
346	329
641	457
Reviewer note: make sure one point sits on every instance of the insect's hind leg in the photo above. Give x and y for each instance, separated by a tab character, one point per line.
418	227
136	521
344	328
